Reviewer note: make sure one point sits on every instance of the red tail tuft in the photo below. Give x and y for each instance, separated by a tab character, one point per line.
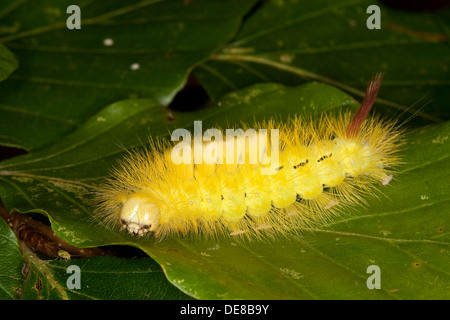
366	105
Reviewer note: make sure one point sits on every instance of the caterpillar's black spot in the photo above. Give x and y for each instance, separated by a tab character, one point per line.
279	168
301	164
221	196
324	157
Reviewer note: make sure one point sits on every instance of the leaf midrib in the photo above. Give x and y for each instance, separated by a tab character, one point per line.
344	47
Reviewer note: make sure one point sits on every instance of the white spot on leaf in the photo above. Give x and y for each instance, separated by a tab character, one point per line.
108	42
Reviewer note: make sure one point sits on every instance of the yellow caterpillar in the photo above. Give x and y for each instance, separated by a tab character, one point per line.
322	167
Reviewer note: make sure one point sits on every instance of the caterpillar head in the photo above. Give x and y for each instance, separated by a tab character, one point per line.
139	215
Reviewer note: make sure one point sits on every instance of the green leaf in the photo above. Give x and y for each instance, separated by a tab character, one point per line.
291	42
404	233
107	278
138	48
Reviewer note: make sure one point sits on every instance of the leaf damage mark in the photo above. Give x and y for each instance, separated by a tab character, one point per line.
291	274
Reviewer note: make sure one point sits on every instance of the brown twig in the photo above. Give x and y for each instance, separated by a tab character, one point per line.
40	237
